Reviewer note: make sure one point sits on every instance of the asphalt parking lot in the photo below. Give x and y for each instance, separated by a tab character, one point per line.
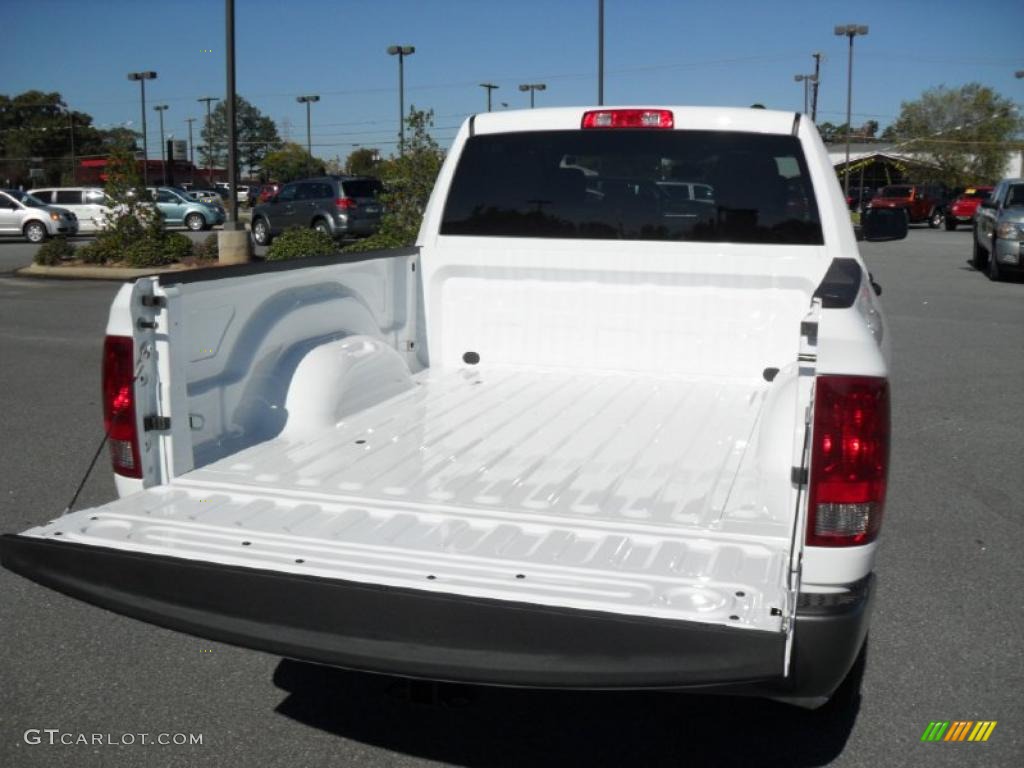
945	640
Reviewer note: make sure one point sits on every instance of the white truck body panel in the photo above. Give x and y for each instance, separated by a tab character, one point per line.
601	425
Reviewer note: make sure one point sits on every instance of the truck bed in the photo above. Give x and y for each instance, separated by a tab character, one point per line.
493	483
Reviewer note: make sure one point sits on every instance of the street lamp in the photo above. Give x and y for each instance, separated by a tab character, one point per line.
142	77
307	100
850	31
806	80
209	137
163	147
532	88
490	87
191	151
600	53
401	51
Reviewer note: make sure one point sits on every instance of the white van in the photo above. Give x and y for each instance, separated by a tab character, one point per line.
90	204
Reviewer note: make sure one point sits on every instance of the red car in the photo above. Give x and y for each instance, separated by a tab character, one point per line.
267	191
965	206
922	202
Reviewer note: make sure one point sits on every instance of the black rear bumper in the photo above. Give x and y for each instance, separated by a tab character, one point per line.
406	632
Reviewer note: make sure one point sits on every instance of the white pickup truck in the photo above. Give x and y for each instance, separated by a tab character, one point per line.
595	430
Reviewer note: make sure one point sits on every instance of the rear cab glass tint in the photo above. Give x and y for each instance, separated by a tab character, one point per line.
629	185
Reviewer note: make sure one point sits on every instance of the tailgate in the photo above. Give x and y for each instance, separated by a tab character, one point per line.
500	533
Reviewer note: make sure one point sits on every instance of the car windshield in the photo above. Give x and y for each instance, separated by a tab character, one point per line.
26	199
614	185
895	192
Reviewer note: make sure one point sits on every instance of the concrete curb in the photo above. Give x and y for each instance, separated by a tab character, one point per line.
98	273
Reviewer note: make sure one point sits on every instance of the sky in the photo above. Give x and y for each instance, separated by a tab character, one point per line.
731	53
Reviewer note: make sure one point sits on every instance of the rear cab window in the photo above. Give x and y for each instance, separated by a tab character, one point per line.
685	186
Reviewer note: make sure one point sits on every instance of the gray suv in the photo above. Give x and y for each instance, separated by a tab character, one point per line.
999	231
341	206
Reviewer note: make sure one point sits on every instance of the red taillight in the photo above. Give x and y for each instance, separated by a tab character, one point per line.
344	203
628	118
849	460
119	405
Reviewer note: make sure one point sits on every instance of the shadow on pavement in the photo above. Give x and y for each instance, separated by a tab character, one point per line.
481	726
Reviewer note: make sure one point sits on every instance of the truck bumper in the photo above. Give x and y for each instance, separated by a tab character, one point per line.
408	632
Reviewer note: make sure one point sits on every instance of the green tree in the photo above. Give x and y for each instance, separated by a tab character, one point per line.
256	135
291	162
408	180
363	162
965	132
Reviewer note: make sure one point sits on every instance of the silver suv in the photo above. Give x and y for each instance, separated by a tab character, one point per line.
341	206
23	215
999	231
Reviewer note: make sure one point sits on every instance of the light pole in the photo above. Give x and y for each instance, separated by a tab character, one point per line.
209	137
191	151
817	56
142	77
71	128
161	108
532	88
401	51
850	31
806	80
600	53
307	100
490	87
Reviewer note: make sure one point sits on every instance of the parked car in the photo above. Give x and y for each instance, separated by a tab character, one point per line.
341	206
267	191
965	206
566	441
921	202
90	205
859	197
999	231
23	215
204	195
180	210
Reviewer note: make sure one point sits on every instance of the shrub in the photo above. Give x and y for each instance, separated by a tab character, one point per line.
177	246
208	250
299	244
54	251
102	250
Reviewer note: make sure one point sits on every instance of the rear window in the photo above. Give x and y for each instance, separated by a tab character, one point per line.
895	192
361	187
698	186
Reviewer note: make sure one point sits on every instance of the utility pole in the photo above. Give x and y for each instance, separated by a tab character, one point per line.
161	108
817	55
209	137
191	152
490	87
600	53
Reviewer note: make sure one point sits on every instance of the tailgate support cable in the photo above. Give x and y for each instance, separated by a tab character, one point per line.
96	456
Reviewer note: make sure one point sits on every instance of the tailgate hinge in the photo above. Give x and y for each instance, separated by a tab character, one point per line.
156	423
154	301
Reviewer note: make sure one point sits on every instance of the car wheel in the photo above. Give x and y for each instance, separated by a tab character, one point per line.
261	232
195	222
321	226
978	255
35	232
994	273
950	224
935	219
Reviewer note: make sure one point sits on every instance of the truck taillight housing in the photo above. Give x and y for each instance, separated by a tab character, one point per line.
628	118
119	405
849	460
